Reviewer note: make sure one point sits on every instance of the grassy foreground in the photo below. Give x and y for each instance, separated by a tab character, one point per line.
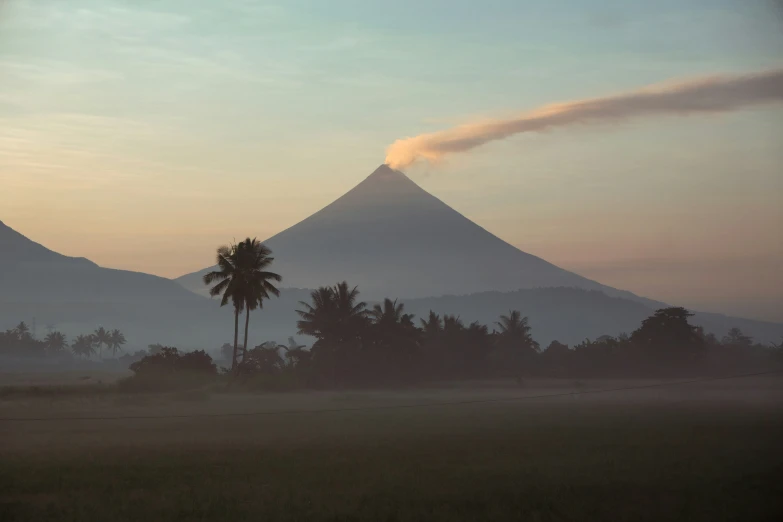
560	461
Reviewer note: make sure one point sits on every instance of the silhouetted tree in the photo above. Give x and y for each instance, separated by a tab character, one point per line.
83	346
230	284
253	258
297	356
668	337
432	327
391	341
101	336
116	341
432	349
556	357
22	330
264	359
335	314
170	369
735	337
514	346
336	319
55	343
455	350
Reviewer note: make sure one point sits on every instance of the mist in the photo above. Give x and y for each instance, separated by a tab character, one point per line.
712	94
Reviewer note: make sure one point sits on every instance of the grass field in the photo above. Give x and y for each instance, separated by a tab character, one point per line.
709	451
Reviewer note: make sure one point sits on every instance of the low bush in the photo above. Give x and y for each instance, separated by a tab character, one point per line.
168	369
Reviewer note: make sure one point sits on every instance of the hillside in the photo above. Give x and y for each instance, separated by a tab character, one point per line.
76	295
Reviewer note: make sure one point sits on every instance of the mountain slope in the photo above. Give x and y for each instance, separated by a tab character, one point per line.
76	295
32	272
390	237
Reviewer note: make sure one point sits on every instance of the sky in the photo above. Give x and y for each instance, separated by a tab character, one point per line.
142	134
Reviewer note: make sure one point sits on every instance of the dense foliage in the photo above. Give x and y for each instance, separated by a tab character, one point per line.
360	346
167	368
355	346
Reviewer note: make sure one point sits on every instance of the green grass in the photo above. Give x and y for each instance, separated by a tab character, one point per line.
557	462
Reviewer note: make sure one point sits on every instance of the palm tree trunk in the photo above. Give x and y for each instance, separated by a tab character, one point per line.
247	323
236	340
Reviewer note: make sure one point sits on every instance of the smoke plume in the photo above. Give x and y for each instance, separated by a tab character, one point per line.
702	95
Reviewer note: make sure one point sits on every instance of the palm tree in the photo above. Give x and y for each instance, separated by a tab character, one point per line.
101	336
515	348
432	343
392	322
254	258
336	319
515	332
393	340
83	346
433	326
389	312
264	358
452	324
229	285
334	314
351	314
295	353
241	278
55	342
116	340
22	330
317	319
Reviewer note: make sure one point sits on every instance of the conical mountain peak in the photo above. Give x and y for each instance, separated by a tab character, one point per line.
386	188
386	173
386	178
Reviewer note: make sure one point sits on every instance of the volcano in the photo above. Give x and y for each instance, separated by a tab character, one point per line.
392	238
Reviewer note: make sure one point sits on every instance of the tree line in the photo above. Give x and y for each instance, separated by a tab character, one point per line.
20	342
358	345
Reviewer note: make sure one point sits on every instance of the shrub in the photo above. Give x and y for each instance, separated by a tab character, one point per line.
264	359
168	369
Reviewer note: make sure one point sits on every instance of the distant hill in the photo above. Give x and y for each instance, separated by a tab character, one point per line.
567	314
570	314
77	295
32	272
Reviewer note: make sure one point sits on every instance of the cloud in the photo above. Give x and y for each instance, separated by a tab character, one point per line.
697	96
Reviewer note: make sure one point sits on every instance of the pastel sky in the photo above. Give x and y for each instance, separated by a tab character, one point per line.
142	134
